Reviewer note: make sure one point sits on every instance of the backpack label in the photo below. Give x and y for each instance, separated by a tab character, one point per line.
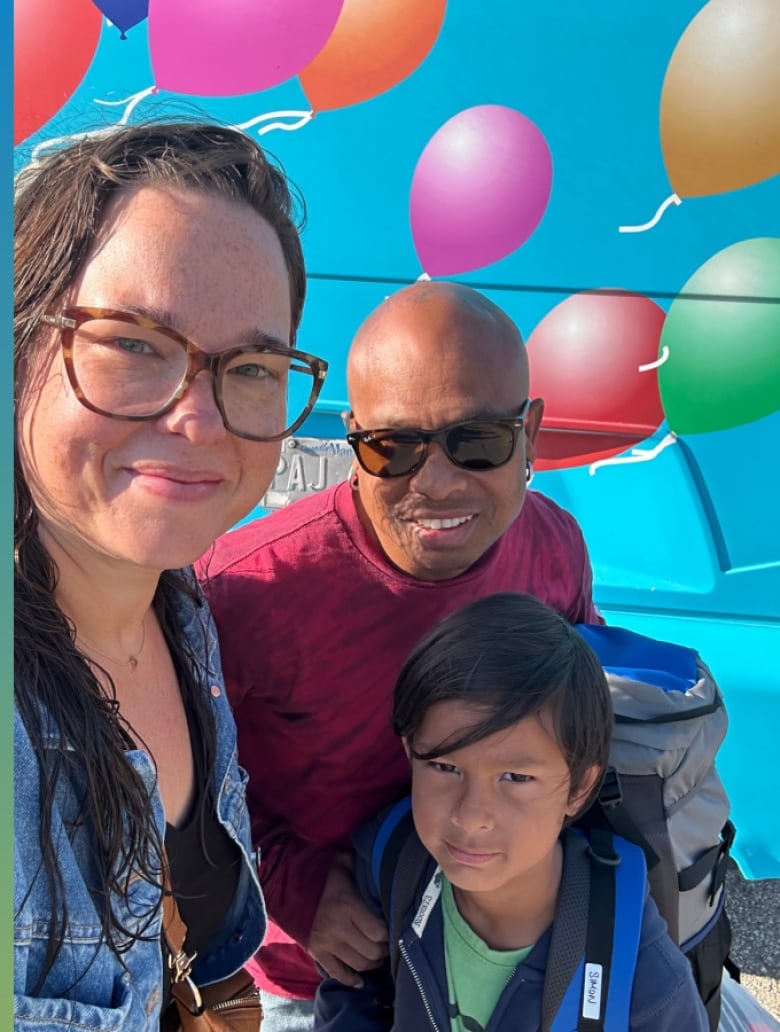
431	894
591	992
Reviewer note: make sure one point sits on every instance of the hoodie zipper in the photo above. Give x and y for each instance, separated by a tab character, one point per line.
419	985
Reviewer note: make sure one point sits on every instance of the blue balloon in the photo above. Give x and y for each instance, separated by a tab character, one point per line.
124	13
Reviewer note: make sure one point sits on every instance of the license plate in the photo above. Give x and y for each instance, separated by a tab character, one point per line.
307	465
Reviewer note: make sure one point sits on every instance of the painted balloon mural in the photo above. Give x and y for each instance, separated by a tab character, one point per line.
434	130
375	45
479	190
208	49
721	341
54	43
343	51
124	14
720	102
587	357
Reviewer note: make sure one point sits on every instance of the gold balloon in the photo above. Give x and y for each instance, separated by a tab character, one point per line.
720	105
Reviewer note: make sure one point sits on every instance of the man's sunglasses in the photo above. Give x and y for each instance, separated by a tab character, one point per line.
476	444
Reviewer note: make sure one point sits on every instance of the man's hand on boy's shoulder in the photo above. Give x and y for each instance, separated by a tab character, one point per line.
346	937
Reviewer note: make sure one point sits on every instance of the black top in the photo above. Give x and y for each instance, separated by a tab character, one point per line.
204	864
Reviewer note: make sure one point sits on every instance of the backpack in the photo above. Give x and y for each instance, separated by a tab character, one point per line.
593	952
661	793
662	790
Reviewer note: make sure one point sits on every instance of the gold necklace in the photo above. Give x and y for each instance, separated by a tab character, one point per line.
132	659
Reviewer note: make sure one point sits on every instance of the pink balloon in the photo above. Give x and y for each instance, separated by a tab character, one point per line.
222	48
479	190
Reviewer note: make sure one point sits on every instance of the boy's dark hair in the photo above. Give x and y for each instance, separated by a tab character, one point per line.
513	656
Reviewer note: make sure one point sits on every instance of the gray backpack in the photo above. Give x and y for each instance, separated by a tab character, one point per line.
663	792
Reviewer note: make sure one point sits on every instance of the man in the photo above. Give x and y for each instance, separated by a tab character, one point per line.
318	605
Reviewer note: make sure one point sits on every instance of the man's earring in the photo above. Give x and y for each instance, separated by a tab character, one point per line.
529	472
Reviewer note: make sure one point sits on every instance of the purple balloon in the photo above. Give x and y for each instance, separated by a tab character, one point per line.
123	13
224	48
479	190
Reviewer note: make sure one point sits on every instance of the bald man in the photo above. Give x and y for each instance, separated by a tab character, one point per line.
318	605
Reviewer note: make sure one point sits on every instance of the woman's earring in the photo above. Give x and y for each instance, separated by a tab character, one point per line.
529	472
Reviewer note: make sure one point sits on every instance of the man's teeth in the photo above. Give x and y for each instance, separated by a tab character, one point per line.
443	524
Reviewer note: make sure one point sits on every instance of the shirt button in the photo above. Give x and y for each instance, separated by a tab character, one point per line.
215	691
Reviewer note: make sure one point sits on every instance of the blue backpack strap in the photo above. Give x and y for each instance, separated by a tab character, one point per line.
379	864
630	893
598	996
564	972
398	862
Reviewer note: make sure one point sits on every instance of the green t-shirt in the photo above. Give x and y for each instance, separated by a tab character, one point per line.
476	974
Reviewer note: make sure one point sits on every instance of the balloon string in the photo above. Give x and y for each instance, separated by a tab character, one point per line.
658	362
674	199
132	102
56	141
637	455
302	116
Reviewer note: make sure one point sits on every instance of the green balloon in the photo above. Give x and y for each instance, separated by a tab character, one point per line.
723	366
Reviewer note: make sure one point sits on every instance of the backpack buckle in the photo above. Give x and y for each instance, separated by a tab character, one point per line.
610	793
727	835
721	861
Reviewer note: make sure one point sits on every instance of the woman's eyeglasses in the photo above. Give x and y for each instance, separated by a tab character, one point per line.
125	366
476	444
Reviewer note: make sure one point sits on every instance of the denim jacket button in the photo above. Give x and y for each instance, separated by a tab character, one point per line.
216	691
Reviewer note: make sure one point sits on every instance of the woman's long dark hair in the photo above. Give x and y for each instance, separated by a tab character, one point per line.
58	215
58	693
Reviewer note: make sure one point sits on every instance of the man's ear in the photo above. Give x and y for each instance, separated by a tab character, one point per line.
579	796
533	422
348	419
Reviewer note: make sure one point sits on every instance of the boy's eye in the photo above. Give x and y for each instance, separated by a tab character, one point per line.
443	768
516	779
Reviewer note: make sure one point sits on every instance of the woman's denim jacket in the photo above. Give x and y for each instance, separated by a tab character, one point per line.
88	987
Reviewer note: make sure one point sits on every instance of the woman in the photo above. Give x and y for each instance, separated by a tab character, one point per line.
159	283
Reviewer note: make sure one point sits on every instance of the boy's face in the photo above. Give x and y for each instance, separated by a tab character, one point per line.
491	813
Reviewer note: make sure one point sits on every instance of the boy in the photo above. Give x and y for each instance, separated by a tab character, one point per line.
505	715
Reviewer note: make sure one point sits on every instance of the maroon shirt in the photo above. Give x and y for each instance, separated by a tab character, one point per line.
314	625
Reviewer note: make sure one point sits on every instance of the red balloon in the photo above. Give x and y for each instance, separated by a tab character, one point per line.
54	43
585	357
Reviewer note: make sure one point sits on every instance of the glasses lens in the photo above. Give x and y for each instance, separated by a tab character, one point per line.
134	371
481	445
124	369
264	393
390	455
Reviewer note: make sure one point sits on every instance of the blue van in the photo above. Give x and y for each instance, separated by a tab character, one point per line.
609	175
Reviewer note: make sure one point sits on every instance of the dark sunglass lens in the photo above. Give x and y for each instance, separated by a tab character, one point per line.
390	455
480	445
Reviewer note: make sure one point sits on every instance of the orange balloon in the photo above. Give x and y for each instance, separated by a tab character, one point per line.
54	43
720	104
376	44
